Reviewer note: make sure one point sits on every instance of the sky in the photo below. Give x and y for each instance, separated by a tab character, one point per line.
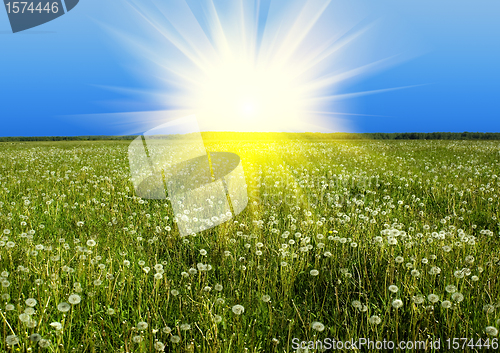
65	77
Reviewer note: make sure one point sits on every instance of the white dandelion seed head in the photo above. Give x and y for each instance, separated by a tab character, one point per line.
63	307
397	303
433	298
318	326
446	304
12	340
56	325
375	320
266	298
238	309
31	302
458	297
74	299
159	346
393	288
491	331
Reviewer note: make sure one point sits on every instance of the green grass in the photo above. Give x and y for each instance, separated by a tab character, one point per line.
337	207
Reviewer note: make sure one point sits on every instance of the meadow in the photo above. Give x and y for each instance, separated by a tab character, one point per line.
394	240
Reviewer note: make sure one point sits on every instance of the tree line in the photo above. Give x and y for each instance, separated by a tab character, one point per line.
282	136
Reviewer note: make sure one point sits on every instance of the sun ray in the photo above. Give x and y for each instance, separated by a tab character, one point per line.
251	65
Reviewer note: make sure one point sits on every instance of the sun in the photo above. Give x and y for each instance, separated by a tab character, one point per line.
246	66
249	107
242	95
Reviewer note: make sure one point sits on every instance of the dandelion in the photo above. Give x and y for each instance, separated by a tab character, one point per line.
374	320
29	311
218	287
185	327
217	319
9	307
56	325
397	303
158	276
174	292
266	298
110	311
175	339
24	317
469	259
167	330
12	340
392	241
74	299
31	302
238	309
433	298
458	297
491	331
63	307
159	346
318	326
43	343
357	304
393	288
142	325
451	288
435	270
91	242
415	273
137	339
488	308
203	252
314	272
35	337
399	259
446	304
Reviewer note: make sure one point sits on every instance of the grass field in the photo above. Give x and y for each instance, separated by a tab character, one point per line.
395	240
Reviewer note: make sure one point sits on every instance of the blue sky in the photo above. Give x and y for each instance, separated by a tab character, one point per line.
73	66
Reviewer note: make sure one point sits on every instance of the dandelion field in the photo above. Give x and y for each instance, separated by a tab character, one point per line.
395	240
